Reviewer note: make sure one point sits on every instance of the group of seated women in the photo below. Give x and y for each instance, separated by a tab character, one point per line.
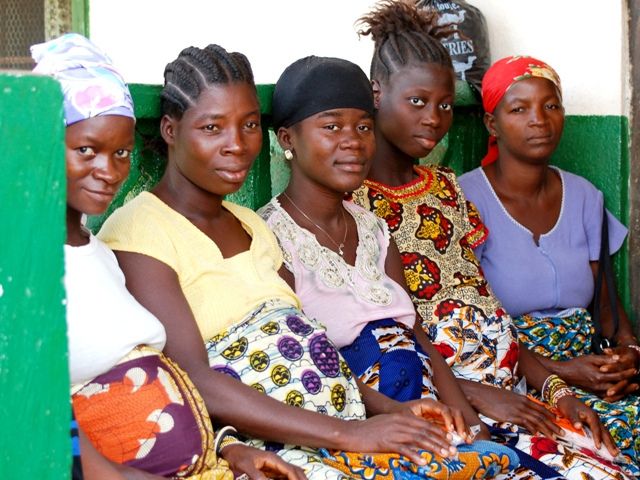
347	329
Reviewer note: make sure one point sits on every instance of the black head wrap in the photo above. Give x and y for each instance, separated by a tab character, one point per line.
316	84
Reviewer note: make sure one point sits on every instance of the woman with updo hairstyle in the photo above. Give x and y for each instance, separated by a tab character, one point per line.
436	229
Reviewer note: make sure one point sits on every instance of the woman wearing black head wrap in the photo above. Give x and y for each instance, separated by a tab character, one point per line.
208	269
339	256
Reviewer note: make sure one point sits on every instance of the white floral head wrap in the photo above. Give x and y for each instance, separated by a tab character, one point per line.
90	84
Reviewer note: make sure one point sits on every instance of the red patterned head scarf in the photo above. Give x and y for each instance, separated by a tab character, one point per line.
499	78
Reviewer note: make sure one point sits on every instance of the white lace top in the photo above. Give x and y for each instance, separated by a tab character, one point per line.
343	297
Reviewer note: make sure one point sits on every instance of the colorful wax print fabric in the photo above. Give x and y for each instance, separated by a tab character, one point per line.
146	413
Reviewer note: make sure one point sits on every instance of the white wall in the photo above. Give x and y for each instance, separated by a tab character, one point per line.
584	40
271	33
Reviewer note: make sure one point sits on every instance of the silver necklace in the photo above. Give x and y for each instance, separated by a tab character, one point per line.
346	225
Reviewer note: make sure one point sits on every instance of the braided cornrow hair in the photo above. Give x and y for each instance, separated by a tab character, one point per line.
196	69
403	35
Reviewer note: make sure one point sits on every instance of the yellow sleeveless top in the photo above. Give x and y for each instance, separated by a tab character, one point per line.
220	291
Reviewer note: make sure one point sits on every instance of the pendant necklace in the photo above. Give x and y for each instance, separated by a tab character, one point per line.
346	225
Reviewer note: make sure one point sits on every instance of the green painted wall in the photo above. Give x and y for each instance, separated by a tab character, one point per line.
593	146
80	16
597	147
34	379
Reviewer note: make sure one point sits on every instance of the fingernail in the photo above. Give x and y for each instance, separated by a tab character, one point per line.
444	452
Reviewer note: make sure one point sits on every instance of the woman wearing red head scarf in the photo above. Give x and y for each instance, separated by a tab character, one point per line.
542	254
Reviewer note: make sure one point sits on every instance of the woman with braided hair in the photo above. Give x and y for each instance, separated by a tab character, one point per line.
138	414
208	269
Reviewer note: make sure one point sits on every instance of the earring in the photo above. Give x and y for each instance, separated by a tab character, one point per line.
288	154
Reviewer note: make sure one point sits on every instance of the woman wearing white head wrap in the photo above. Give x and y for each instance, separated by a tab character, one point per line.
90	84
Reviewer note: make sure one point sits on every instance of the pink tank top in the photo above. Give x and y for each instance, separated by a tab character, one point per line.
342	297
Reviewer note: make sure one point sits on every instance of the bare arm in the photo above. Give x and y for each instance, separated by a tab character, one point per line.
531	366
375	402
444	380
608	376
156	286
507	406
242	459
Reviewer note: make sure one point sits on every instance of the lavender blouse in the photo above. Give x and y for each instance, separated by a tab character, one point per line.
550	278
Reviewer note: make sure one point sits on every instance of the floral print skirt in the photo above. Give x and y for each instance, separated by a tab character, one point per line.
485	350
563	338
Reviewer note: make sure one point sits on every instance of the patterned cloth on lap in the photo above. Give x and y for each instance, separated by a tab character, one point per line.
145	413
